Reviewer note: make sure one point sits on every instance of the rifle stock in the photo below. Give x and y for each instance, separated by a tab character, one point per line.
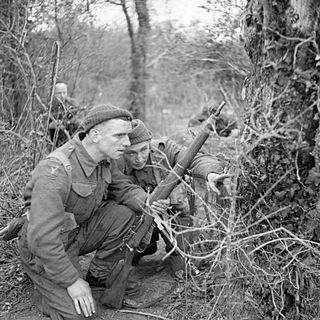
114	294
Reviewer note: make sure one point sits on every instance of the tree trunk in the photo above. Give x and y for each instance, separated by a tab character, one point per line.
280	166
137	90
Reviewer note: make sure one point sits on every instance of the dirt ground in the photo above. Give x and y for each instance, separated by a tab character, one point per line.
155	279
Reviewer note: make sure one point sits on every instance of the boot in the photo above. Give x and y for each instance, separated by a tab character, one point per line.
151	249
176	263
132	288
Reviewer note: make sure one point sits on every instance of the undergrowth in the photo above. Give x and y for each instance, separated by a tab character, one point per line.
252	268
20	152
200	297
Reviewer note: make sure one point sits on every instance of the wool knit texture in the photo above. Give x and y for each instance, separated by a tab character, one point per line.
139	132
102	113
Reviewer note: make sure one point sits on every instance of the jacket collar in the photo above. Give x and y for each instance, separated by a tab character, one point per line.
86	162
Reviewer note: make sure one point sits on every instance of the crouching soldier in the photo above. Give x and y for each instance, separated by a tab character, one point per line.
69	215
148	161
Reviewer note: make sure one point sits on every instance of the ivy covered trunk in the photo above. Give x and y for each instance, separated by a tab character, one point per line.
279	182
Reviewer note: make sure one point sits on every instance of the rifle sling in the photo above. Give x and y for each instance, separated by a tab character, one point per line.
139	232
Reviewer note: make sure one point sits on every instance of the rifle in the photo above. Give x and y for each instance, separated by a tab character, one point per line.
116	284
114	293
11	230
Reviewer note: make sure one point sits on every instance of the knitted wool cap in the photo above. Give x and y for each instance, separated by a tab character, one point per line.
139	132
102	113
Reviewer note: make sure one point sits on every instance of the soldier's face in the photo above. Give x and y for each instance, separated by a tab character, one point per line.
136	155
112	138
61	91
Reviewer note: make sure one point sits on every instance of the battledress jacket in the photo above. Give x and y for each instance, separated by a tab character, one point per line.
164	155
50	204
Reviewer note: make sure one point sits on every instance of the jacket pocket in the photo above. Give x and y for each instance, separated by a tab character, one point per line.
83	189
81	200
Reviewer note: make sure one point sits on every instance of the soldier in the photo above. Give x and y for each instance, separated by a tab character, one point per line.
63	121
224	125
147	161
69	214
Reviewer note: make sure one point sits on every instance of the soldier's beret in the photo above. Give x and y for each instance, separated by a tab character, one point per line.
139	133
103	113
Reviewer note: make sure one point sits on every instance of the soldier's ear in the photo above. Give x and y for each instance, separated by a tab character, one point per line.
94	135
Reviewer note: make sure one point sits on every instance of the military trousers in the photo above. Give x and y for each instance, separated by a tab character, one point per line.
103	232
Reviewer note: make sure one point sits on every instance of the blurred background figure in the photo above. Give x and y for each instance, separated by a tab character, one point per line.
63	122
224	124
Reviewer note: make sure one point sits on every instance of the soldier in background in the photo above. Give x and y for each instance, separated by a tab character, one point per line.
224	125
63	121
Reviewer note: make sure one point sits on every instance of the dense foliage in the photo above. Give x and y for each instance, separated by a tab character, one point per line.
279	182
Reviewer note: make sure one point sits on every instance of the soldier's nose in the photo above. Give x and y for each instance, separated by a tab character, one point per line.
126	142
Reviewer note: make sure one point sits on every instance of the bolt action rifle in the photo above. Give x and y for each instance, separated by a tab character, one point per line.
114	293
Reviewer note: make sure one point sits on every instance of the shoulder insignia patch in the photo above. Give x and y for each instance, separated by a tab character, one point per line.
54	169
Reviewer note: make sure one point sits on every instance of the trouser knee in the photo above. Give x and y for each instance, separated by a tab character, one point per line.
53	300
